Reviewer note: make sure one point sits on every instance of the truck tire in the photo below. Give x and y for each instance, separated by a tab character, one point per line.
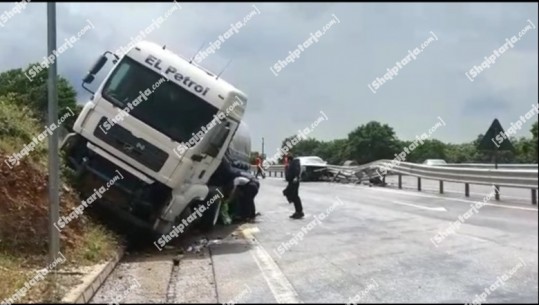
211	215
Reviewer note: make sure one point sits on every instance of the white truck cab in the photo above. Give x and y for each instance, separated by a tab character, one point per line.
164	123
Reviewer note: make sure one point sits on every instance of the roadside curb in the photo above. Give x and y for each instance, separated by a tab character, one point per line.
92	281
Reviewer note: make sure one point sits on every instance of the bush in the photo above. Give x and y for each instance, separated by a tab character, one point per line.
18	126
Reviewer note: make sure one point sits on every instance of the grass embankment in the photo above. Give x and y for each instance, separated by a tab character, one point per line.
24	212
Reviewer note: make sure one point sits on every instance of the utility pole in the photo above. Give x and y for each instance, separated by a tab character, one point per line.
263	156
54	176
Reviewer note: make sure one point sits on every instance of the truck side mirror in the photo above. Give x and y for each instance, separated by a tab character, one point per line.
89	78
98	65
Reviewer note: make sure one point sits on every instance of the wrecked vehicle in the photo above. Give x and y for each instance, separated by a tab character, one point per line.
165	125
313	168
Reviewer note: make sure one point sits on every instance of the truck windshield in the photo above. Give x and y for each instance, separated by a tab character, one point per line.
163	105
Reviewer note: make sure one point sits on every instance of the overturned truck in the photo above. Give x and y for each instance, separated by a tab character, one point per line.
165	126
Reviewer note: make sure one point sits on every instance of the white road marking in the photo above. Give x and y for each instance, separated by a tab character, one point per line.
455	199
280	287
473	237
442	209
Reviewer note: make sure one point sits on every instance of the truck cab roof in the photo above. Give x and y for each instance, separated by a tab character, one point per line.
176	68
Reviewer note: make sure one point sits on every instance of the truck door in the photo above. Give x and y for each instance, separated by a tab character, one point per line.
213	151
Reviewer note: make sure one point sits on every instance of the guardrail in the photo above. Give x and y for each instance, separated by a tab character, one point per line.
487	165
496	177
507	175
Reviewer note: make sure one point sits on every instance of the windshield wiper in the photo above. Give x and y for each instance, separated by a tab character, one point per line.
114	100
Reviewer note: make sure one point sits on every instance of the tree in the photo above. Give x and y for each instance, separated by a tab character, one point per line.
526	148
534	143
331	151
533	130
430	149
460	153
33	93
371	142
304	147
374	141
525	152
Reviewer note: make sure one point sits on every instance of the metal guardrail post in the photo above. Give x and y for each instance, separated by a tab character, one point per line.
534	196
336	176
419	183
441	186
400	181
497	192
467	189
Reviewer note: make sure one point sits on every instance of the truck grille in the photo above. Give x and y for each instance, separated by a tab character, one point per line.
136	148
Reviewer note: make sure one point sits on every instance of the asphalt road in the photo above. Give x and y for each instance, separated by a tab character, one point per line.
369	245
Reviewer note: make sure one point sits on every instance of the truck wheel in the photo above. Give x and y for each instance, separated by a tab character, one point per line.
211	215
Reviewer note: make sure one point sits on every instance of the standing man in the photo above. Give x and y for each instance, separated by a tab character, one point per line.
293	172
259	170
286	190
285	162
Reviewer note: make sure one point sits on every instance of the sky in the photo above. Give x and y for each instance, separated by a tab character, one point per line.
334	74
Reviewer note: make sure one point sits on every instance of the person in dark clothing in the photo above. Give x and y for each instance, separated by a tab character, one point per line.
285	191
244	191
292	174
224	174
240	193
